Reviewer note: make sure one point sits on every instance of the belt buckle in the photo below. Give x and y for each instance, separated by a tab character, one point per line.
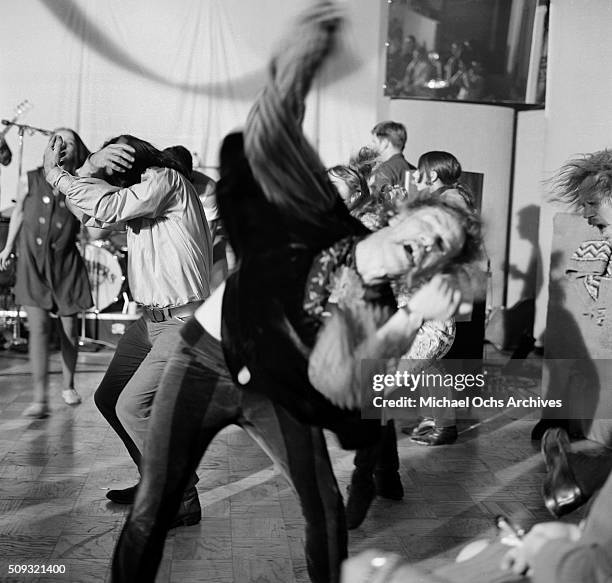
154	315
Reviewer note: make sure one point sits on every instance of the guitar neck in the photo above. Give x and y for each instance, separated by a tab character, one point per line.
19	111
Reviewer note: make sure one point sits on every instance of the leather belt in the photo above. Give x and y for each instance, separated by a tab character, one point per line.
162	314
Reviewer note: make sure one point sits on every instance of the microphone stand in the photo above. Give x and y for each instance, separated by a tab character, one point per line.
24	127
87	344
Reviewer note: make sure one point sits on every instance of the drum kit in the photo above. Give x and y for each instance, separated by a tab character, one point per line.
10	315
106	263
105	258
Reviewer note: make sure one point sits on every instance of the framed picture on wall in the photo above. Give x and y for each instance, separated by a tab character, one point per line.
483	51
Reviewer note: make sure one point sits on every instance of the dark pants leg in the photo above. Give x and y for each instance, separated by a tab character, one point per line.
132	349
196	399
382	456
301	453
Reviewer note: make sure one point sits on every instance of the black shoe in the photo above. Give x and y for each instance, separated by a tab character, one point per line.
389	485
438	436
190	512
540	428
125	496
425	426
361	493
560	489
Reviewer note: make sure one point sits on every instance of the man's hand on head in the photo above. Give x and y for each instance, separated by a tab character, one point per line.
112	158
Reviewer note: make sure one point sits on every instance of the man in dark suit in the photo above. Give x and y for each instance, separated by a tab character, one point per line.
389	141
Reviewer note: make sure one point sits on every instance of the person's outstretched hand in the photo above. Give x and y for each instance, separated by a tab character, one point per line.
520	559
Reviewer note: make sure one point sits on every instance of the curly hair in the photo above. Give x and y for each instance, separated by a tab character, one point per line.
365	161
359	192
585	177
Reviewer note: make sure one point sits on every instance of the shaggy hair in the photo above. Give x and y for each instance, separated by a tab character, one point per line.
182	156
469	220
585	177
365	161
359	192
146	155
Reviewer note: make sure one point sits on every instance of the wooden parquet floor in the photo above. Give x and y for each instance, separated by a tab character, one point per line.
54	474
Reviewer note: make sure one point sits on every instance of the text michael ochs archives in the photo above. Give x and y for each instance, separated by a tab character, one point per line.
429	389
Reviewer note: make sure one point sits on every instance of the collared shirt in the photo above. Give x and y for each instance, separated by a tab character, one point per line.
169	243
206	188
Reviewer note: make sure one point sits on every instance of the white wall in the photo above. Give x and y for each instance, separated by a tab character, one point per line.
346	103
171	72
579	94
480	136
524	259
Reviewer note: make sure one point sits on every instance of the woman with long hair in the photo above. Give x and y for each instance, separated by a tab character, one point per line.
51	275
438	175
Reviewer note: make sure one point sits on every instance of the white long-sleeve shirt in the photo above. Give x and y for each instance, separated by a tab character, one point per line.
168	240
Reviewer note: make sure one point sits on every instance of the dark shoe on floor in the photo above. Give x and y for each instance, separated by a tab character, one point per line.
361	493
560	489
389	485
425	426
438	436
125	496
190	512
540	428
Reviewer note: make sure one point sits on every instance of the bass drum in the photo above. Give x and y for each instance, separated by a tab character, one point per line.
105	275
7	276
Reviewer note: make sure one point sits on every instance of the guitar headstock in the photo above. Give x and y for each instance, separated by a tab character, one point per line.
23	107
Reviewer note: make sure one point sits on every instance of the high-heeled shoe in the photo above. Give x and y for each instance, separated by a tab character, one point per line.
561	492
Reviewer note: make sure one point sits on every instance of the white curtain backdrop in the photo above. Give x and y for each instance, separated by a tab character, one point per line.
182	72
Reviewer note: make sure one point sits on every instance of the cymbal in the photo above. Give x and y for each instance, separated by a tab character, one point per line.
7	212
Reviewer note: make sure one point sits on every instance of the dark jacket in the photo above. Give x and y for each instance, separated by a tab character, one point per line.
280	211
